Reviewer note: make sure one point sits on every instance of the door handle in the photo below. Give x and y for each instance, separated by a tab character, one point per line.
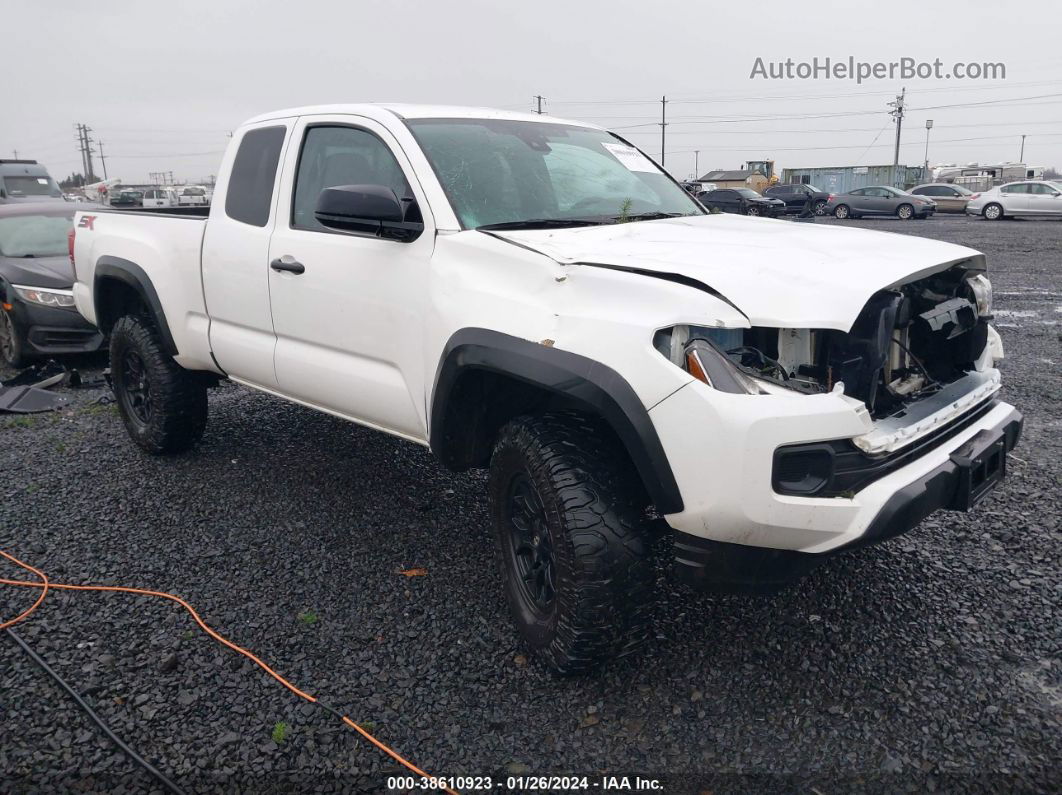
288	265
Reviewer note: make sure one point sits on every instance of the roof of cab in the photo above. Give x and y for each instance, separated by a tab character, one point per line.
381	111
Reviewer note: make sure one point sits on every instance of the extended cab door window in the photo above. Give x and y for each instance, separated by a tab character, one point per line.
236	254
349	306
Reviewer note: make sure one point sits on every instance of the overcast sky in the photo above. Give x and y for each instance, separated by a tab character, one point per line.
162	83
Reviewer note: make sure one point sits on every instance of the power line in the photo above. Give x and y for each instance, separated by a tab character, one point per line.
794	97
778	131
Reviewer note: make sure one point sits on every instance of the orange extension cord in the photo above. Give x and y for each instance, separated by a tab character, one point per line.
45	585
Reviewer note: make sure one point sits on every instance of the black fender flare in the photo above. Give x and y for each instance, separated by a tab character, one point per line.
131	274
581	381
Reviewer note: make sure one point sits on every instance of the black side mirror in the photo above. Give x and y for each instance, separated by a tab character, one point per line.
369	210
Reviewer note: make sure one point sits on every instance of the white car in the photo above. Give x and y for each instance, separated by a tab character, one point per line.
1027	198
538	298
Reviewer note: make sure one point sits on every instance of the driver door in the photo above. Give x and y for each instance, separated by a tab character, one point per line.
349	318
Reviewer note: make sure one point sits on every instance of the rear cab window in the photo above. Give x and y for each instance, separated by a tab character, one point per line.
250	190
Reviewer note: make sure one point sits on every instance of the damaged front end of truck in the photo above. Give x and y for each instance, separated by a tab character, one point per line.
920	357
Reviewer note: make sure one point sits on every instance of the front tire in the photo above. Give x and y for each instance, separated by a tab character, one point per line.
905	212
993	211
841	211
573	540
12	348
163	406
752	211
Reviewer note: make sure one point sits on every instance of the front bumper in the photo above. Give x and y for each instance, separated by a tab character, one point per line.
722	450
49	330
951	485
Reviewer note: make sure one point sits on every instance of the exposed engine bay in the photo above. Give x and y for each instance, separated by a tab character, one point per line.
907	343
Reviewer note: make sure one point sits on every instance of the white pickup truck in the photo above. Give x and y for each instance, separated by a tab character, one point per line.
536	297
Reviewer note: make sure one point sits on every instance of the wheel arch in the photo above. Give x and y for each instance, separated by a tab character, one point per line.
486	378
117	283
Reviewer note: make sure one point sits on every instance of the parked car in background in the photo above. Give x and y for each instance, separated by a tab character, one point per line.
743	201
160	197
948	198
128	198
798	197
880	200
37	312
26	181
1038	198
193	196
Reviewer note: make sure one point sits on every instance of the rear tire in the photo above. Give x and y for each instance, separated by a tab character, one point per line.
993	211
573	540
841	211
12	350
163	406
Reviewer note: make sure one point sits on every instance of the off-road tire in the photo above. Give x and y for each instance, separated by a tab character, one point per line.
12	352
593	513
176	412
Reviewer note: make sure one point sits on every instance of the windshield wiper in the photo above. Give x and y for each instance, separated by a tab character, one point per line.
542	223
649	216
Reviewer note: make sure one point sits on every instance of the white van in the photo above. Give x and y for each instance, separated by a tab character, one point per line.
161	197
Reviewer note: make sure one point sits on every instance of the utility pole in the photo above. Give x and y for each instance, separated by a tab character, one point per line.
91	176
539	98
897	116
16	154
81	149
696	163
663	125
925	172
103	161
1021	157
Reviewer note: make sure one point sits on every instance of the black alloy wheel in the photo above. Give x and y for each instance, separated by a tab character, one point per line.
136	386
531	544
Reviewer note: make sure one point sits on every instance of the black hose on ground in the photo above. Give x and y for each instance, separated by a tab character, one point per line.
150	768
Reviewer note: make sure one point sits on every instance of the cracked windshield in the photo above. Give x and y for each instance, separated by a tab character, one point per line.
502	174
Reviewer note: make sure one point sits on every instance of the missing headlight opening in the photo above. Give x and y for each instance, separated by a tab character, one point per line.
907	342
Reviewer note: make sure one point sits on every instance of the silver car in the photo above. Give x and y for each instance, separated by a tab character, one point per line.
948	198
880	200
1031	198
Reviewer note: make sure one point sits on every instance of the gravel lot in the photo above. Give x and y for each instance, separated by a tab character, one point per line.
929	662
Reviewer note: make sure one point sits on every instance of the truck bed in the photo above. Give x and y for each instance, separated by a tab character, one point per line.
198	211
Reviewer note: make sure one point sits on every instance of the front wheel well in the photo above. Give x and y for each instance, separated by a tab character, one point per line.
478	406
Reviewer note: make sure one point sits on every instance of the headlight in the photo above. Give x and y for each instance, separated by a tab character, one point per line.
45	297
981	288
700	351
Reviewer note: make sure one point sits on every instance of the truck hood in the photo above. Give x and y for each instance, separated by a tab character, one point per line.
777	273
